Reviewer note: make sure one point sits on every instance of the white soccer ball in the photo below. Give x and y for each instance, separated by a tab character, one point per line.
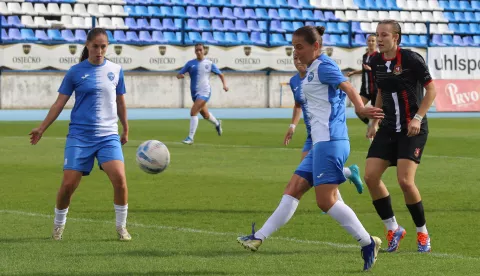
153	156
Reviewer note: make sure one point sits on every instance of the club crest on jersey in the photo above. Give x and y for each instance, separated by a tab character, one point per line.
206	66
310	76
111	76
417	152
397	70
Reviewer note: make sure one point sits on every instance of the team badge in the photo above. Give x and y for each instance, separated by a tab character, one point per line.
397	70
111	76
162	50
289	51
310	76
118	49
206	66
247	50
417	152
72	49
26	49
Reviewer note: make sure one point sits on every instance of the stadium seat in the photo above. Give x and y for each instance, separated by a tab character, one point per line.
4	9
106	10
463	29
67	35
284	14
459	16
457	40
305	4
343	27
332	27
208	38
5	36
356	28
252	25
120	11
360	40
476	5
243	38
28	35
278	40
296	14
192	24
155	24
273	14
195	37
157	36
27	8
262	25
231	39
81	36
258	38
249	14
294	4
215	13
474	28
41	35
238	3
217	25
27	21
93	10
154	11
468	41
4	22
142	23
40	9
227	13
192	12
470	17
131	23
14	21
119	36
203	12
261	13
297	25
204	25
229	25
318	15
14	8
241	26
55	35
171	37
118	23
329	16
220	37
241	14
132	37
168	24
277	26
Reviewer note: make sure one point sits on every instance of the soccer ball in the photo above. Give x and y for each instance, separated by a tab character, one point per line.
153	156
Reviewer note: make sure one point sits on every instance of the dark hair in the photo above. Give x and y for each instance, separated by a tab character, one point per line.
396	28
200	44
371	35
91	35
311	34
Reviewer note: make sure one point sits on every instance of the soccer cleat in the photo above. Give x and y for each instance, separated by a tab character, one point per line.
188	140
423	241
355	178
250	242
370	252
123	234
394	238
58	232
219	128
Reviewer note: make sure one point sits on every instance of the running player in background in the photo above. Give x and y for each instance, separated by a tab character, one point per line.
199	70
401	76
352	173
323	165
368	90
93	133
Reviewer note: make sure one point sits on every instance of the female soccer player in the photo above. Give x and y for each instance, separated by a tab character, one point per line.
93	132
199	70
368	91
401	76
323	165
352	172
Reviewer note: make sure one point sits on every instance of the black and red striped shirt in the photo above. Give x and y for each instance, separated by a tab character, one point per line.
369	87
401	81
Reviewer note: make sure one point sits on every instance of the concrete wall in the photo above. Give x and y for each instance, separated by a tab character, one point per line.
24	90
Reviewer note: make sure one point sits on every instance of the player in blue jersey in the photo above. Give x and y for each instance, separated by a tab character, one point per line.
93	131
352	173
323	87
199	70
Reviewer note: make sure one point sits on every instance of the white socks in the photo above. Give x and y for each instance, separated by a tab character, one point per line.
422	229
121	215
339	196
60	216
280	217
193	126
212	119
391	224
349	221
347	172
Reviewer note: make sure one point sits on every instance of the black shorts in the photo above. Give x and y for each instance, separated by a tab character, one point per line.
371	97
391	146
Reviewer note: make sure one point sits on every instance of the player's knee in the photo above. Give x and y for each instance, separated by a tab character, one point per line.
326	202
68	187
406	184
371	179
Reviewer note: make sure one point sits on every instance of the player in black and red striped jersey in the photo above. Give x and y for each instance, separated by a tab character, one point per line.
401	76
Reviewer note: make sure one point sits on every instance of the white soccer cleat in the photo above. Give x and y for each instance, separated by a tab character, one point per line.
58	232
188	141
123	234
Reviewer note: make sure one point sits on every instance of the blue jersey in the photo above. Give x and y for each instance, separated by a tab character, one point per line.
326	103
199	71
296	86
96	88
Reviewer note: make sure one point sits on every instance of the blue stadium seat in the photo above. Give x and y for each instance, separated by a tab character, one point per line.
41	35
360	40
444	5
178	23
131	23
231	39
145	37
192	24
288	38
408	40
261	13
5	36
370	5
204	25
454	5
226	3
356	27
329	16
476	5
294	4
453	27
437	40
154	11
318	15
208	38
296	14
361	4
297	25
465	6
240	13
67	35
464	29
270	4
110	37
54	35
119	36
474	28
229	26
477	16
215	13
381	4
309	23
220	37
278	40
5	22
253	26
447	40
168	24
27	34
14	21
343	27
203	12
250	3
141	11
273	14
191	12
276	26
238	3
468	41
166	11
459	16
326	40
321	23
258	38
241	26
217	25
469	17
139	2
81	36
284	14
155	24
249	14
157	36
392	5
332	28
457	40
449	16
336	39
262	25
142	23
171	37
195	37
228	14
423	40
476	39
243	38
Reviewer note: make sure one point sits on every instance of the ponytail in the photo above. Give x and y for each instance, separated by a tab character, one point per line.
84	55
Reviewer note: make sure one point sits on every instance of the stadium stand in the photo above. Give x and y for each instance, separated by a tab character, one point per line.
233	22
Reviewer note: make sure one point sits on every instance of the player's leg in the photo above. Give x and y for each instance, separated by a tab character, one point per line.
328	160
196	107
298	185
410	152
209	116
79	159
110	159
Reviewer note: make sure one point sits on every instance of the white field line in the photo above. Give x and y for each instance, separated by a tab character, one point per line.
245	146
214	233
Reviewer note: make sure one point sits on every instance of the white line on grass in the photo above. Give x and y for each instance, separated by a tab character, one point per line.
214	233
248	147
